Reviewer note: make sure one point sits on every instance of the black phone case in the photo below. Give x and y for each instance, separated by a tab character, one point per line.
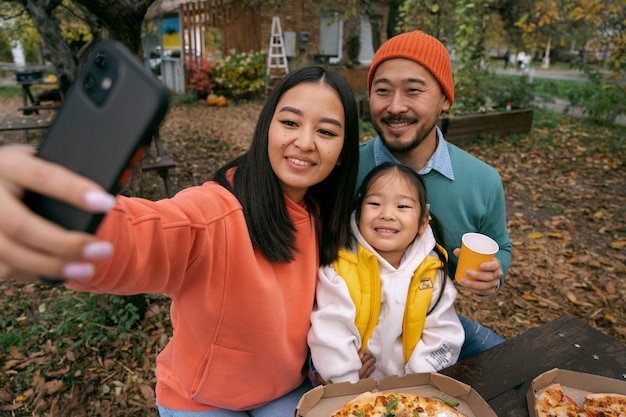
107	118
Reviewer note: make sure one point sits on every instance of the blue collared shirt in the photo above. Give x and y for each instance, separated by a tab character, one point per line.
439	161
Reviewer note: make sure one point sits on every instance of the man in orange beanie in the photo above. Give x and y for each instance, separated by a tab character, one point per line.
410	85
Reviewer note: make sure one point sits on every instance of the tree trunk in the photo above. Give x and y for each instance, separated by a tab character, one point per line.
122	19
55	49
392	18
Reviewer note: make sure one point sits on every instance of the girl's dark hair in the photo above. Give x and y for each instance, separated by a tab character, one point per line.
416	180
258	190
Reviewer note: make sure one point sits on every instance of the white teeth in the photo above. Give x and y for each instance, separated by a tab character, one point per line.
299	162
397	125
386	230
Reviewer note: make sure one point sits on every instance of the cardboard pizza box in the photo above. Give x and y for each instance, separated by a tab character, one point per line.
575	385
323	400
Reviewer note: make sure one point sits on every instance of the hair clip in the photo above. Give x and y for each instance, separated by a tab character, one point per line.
428	211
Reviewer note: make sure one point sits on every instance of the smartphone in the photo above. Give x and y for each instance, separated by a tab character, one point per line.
106	121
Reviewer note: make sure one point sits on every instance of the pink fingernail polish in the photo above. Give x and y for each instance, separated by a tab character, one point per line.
97	250
78	271
100	201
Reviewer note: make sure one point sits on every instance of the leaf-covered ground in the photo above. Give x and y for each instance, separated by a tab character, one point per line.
565	184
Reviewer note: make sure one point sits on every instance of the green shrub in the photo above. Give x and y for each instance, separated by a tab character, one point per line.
241	75
547	88
602	98
180	99
517	90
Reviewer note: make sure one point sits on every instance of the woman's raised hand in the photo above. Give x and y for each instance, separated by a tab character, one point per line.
31	246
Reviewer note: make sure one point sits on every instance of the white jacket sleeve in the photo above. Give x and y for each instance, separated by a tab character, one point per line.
443	335
333	338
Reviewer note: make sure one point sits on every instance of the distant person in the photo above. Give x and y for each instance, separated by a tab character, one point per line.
388	296
526	62
410	85
507	57
238	255
522	59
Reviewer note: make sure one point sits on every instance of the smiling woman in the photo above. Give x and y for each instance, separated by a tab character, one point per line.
256	233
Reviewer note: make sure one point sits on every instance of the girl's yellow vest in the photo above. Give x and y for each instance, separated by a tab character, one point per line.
361	274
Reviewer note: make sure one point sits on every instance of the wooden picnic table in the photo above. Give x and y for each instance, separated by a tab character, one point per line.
26	123
502	375
30	104
155	157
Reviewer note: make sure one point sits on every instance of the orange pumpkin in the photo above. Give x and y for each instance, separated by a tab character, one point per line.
212	100
221	101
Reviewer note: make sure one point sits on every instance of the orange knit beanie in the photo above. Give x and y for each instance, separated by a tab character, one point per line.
421	48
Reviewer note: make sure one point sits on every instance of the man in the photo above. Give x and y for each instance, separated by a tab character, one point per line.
410	85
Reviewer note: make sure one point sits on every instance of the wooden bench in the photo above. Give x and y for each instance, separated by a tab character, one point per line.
157	160
35	108
154	159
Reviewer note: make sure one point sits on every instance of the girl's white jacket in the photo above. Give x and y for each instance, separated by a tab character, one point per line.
335	341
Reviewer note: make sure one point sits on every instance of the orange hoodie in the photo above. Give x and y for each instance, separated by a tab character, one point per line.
239	322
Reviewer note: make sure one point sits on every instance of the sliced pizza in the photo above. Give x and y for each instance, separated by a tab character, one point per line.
392	404
605	405
552	402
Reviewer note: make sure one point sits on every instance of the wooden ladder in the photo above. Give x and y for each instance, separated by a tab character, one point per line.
277	66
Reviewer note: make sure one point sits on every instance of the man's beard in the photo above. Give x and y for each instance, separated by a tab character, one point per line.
398	147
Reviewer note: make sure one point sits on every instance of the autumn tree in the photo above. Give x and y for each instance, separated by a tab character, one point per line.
121	20
599	26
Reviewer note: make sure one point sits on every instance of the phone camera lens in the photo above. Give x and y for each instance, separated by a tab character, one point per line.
89	83
101	61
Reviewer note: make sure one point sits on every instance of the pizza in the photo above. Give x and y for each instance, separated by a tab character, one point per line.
552	402
605	405
395	404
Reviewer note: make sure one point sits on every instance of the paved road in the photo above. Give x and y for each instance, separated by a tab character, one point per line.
568	75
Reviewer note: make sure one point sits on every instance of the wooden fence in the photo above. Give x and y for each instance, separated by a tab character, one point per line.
223	24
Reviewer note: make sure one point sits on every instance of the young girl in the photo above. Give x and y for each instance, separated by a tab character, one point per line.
388	296
238	255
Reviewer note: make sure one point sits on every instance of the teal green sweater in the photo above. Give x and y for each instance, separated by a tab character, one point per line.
472	202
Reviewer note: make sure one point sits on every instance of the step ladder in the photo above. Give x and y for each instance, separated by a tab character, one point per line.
277	66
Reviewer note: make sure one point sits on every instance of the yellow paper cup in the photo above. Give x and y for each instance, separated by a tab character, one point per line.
476	248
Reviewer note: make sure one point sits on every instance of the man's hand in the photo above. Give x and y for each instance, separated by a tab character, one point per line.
368	362
486	280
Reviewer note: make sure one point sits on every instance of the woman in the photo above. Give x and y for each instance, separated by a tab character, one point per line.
238	255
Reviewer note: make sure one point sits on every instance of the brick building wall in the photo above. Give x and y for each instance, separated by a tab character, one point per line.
305	16
295	16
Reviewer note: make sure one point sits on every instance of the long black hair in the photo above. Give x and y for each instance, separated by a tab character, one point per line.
258	189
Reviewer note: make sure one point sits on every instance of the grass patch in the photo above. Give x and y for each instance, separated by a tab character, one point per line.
11	91
551	88
547	88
